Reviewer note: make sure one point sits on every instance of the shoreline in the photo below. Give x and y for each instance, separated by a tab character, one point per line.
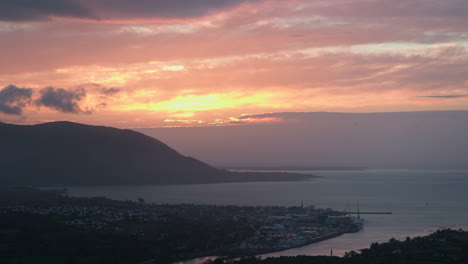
305	243
233	254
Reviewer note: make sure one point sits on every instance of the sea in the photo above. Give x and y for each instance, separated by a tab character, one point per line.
421	202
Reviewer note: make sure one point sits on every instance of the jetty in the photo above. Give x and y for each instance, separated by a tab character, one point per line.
368	213
348	211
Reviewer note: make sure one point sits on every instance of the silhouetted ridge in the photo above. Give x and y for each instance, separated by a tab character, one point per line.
72	153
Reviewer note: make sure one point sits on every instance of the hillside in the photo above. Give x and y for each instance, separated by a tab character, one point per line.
71	153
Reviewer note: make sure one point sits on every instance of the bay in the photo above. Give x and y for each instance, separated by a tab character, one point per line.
421	201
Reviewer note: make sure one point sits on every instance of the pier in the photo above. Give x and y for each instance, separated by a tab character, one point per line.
368	213
347	211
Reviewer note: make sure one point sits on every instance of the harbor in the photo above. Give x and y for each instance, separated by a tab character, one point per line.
309	225
290	228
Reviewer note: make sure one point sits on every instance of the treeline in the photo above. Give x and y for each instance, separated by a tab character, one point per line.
27	238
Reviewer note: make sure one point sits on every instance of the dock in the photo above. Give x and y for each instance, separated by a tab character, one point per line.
347	210
384	213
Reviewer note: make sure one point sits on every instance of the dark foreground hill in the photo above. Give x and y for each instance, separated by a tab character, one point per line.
71	153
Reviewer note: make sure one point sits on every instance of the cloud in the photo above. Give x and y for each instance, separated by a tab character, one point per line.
240	32
31	10
386	11
123	9
336	55
109	91
14	99
449	96
382	140
276	117
65	101
347	119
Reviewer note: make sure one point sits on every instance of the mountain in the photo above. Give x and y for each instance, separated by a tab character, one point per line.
72	153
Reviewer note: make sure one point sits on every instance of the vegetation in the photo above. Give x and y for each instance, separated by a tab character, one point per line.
444	246
177	232
27	237
38	238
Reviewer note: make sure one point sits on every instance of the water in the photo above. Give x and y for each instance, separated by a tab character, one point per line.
421	201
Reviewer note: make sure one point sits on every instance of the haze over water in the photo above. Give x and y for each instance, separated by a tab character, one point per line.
421	201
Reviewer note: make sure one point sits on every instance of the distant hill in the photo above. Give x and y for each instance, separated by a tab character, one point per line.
70	153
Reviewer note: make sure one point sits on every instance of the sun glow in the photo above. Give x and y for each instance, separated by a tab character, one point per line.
173	68
183	115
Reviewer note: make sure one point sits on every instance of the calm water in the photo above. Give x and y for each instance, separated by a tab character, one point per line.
421	201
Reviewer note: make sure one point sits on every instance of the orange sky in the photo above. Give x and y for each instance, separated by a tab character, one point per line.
159	63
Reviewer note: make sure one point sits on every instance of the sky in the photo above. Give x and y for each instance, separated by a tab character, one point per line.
399	140
155	63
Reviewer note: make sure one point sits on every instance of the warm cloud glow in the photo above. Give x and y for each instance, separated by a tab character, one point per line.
173	68
158	64
183	115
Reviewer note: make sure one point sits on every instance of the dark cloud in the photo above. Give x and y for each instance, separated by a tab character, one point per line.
110	91
17	10
432	139
30	10
62	100
284	115
101	105
354	119
117	9
396	8
14	99
21	10
446	96
238	122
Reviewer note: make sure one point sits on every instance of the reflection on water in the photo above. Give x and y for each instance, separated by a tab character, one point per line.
421	201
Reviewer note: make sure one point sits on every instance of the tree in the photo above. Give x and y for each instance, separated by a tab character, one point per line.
351	254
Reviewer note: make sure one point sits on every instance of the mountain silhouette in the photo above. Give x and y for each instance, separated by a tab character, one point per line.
76	154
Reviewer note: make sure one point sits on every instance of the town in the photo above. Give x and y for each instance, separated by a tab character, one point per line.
230	230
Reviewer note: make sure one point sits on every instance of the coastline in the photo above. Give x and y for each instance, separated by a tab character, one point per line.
305	243
237	253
